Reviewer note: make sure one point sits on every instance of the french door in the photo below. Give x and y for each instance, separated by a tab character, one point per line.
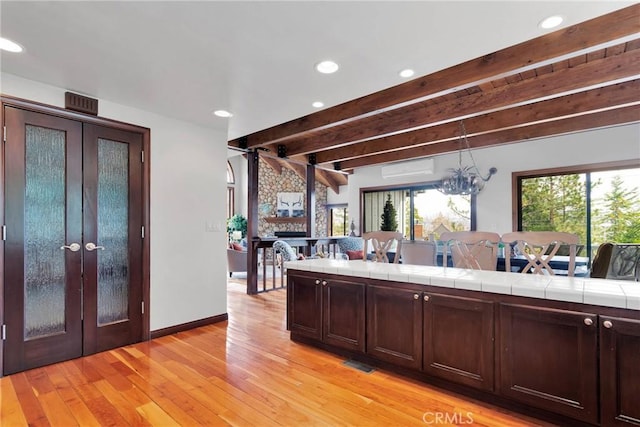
73	248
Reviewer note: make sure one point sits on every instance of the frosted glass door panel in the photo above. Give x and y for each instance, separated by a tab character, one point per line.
44	232
113	231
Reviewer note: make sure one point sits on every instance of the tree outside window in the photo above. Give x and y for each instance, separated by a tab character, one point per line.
597	205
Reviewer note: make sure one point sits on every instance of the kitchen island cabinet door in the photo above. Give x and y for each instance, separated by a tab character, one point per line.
394	325
304	295
549	359
344	314
459	339
620	371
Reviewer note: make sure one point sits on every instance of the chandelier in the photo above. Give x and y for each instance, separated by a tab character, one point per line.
464	180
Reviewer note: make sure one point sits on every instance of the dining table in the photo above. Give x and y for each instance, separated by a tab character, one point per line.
559	264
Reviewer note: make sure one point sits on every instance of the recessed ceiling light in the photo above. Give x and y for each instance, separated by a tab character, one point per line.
406	73
222	113
318	104
551	22
327	67
9	46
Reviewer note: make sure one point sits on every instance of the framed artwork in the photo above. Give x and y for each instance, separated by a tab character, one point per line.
290	205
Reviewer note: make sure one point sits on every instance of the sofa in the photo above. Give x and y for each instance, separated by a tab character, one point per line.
236	258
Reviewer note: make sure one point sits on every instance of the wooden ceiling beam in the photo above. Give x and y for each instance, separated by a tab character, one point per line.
273	164
553	109
630	114
299	170
329	178
331	182
584	37
326	175
423	114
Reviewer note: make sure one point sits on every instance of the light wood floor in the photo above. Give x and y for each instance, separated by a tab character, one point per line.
244	372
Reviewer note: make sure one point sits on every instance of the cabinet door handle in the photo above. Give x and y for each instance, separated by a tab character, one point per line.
607	324
426	297
317	281
588	321
416	296
324	283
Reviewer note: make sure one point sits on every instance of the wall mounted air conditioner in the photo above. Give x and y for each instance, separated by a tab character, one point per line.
416	167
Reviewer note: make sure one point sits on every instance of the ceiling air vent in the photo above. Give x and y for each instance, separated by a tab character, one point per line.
83	104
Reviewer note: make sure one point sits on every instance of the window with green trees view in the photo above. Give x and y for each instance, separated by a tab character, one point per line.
338	220
597	205
420	210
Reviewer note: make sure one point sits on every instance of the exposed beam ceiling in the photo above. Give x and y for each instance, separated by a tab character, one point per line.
578	78
329	178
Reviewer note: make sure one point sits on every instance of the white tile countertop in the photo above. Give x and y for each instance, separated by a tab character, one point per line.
606	293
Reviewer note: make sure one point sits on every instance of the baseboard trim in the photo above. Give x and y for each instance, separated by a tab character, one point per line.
189	325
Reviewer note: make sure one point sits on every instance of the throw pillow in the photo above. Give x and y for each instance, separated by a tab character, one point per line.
355	254
237	247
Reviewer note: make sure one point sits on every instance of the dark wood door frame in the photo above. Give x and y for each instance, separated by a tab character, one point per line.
146	146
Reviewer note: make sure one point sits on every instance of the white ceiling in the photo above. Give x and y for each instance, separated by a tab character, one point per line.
186	59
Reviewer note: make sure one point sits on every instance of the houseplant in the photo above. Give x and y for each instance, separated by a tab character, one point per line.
237	223
388	216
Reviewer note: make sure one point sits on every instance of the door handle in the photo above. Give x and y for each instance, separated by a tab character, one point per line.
92	247
74	247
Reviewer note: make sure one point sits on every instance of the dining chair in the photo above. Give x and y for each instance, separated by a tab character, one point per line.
352	247
282	253
419	252
601	261
476	250
625	262
382	242
539	248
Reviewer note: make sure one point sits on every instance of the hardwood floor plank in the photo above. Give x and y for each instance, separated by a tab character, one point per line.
39	381
70	396
102	364
125	402
80	383
184	408
156	415
241	372
105	412
11	413
168	390
56	410
31	407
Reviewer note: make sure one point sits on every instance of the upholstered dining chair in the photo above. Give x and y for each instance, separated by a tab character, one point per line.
352	247
476	250
601	261
419	252
283	252
617	261
382	242
539	248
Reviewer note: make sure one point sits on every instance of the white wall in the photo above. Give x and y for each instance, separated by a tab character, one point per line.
342	197
188	179
494	202
240	169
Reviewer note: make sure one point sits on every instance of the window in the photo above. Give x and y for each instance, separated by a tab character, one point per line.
599	203
421	210
338	224
231	200
230	176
